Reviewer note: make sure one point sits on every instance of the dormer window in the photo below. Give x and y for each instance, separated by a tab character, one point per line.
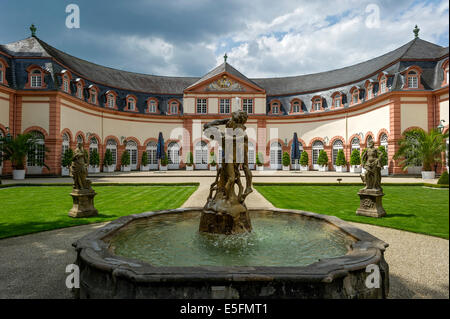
93	95
413	80
337	100
111	100
66	83
355	97
36	79
3	66
174	106
446	74
369	91
275	107
296	106
152	105
383	84
80	90
131	104
316	104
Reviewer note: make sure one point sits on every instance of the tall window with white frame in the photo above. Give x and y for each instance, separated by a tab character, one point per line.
112	146
2	72
337	145
384	142
65	143
247	105
36	154
317	105
111	100
36	79
356	144
66	83
413	80
355	97
383	84
369	91
93	97
316	148
296	107
275	108
337	100
174	107
202	106
131	104
152	106
80	91
224	106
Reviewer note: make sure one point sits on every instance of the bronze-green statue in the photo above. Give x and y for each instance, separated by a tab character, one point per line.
225	211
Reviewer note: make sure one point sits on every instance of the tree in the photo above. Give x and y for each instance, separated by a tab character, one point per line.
94	158
125	159
384	156
355	157
443	179
417	147
16	149
304	160
340	158
67	158
259	159
286	159
323	158
108	159
144	159
190	159
164	160
213	159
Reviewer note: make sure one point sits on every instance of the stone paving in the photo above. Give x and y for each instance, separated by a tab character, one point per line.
33	266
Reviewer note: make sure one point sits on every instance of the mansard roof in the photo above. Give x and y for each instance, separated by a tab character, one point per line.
415	50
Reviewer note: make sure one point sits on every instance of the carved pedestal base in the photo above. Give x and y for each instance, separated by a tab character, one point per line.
83	203
371	203
222	217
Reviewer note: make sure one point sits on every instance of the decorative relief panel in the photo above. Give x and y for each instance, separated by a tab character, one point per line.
224	84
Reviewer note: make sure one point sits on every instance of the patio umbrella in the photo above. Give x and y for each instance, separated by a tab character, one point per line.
295	151
160	147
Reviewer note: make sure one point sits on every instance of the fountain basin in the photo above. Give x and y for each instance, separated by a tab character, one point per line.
156	255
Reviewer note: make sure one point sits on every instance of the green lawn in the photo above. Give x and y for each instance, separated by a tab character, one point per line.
26	210
412	208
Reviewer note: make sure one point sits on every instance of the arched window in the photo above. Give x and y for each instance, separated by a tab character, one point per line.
201	155
80	90
316	148
369	91
174	107
275	155
412	79
131	103
132	149
369	138
296	106
151	154
112	146
36	154
3	66
384	141
446	74
1	148
251	155
111	100
36	78
356	144
65	143
337	100
80	140
337	145
93	95
354	92
316	104
93	145
173	154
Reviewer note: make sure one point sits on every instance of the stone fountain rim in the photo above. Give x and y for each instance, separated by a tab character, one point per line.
93	250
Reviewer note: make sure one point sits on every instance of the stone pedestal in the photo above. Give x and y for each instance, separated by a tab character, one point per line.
371	203
83	203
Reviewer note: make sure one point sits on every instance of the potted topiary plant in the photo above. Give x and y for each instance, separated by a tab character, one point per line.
341	162
443	180
355	161
304	160
212	164
66	162
286	161
16	150
163	163
125	161
108	165
384	161
323	161
144	162
190	162
94	162
259	162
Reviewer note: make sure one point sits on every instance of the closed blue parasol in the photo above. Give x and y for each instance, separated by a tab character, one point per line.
160	147
295	151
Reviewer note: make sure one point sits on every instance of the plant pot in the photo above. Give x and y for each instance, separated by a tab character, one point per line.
212	168
163	168
189	167
259	167
415	170
428	174
93	169
355	168
341	169
108	168
385	171
65	171
18	174
125	168
286	168
145	168
323	168
363	170
304	168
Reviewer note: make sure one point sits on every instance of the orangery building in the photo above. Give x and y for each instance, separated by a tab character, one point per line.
65	100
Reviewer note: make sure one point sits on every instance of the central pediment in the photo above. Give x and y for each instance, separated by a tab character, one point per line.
222	79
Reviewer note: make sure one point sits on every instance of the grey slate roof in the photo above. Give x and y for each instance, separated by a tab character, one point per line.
415	49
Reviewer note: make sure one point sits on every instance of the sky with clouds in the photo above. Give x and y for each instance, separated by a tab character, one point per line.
262	38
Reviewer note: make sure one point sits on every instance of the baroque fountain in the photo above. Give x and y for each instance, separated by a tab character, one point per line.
225	250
